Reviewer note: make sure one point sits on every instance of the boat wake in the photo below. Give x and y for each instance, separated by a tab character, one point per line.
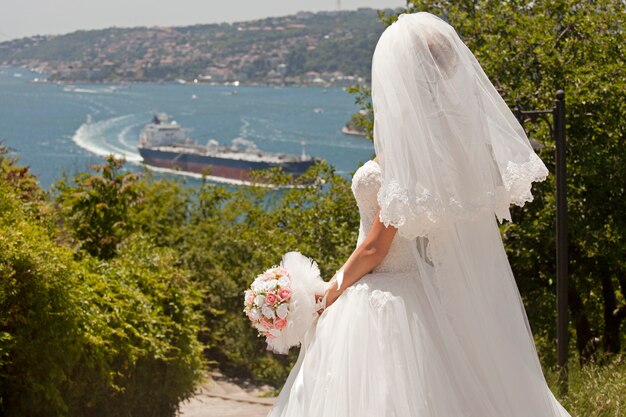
103	90
108	137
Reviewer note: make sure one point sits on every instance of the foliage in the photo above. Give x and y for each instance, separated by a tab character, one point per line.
144	327
25	186
38	314
363	120
347	55
595	390
162	210
83	336
96	207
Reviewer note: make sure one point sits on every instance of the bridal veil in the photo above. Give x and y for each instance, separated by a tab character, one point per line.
453	159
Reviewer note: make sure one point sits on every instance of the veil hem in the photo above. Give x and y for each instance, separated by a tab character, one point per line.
419	214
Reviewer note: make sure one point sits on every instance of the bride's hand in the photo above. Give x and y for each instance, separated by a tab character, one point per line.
331	294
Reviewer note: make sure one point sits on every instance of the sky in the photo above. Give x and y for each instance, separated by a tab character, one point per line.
20	18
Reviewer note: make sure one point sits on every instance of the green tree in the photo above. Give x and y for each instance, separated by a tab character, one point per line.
96	207
529	49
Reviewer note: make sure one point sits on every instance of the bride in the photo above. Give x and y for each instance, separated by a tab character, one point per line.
425	319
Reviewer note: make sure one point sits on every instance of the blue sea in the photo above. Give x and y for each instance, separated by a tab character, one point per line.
64	128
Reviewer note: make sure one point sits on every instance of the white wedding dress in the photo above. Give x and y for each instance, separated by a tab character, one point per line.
390	347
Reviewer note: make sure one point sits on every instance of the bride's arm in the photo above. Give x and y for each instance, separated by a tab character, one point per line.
366	257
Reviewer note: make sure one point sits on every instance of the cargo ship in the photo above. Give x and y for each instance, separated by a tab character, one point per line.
165	144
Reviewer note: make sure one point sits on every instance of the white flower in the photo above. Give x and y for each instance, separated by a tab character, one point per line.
268	312
271	284
282	310
259	300
283	281
258	285
255	314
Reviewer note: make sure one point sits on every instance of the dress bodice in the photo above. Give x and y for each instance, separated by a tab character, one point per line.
365	184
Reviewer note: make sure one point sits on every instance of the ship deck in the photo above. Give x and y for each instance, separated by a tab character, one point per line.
233	155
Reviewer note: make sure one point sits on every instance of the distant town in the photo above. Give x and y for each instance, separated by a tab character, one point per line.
324	48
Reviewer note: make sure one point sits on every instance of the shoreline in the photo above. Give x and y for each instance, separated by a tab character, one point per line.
352	132
44	78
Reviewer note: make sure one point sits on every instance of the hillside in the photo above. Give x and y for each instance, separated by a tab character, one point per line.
318	48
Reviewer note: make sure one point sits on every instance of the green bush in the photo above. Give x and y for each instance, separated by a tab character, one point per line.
142	326
41	340
83	336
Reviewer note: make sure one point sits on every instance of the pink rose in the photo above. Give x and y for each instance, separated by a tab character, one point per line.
280	323
271	299
268	325
284	294
269	335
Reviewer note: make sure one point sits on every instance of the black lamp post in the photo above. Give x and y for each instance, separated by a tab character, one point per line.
557	129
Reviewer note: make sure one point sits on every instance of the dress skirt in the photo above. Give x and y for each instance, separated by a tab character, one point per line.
385	348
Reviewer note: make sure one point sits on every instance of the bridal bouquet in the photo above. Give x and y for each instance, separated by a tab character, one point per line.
281	303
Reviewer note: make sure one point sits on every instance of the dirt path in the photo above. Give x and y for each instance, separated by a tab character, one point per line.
227	397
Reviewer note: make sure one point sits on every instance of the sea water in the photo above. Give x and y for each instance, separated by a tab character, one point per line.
61	128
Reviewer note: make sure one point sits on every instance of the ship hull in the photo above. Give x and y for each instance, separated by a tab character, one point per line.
231	169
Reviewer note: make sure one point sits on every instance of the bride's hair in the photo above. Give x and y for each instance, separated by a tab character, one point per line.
442	52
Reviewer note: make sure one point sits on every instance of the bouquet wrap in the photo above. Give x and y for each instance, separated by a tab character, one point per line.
281	301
